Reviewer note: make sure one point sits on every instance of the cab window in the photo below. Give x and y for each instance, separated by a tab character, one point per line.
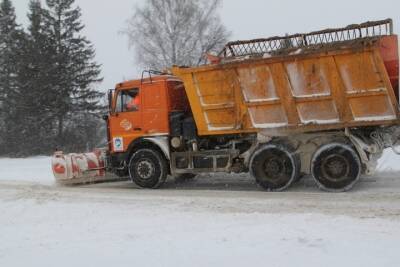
128	101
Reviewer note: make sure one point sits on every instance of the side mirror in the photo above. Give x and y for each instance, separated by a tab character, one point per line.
105	117
110	97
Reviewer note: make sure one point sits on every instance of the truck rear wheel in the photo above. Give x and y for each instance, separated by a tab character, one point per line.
275	167
148	168
336	167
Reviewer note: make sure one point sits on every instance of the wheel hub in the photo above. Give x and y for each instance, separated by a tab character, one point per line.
145	169
273	168
335	168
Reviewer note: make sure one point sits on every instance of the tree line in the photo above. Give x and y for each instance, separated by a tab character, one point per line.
48	75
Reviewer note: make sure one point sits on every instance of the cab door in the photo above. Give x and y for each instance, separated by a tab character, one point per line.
155	109
126	122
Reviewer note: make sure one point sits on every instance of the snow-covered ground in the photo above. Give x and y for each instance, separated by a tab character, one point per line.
212	221
36	170
390	162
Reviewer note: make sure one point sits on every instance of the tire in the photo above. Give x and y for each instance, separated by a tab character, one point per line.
148	168
275	167
336	167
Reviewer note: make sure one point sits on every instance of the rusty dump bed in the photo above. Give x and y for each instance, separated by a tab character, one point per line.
324	80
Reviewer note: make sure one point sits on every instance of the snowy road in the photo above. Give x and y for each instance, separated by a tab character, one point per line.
212	221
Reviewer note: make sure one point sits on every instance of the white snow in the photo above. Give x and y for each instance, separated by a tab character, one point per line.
346	77
265	125
215	128
331	121
37	169
250	82
296	76
212	221
360	91
267	55
313	95
268	125
376	118
296	52
389	162
178	232
260	100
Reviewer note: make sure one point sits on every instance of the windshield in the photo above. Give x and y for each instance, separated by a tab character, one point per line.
128	101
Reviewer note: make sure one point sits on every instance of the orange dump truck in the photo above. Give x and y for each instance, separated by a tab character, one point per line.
323	104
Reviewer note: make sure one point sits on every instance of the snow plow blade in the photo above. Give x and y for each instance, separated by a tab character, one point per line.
74	169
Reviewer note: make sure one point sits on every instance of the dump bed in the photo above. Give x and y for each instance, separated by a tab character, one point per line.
324	80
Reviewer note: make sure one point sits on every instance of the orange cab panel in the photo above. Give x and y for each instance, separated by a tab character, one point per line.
126	122
155	109
140	109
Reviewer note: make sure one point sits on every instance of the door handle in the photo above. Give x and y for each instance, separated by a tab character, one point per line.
137	129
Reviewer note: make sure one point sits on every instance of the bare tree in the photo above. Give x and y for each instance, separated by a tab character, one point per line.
175	32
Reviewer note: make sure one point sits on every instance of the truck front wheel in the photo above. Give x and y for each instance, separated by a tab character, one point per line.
336	167
275	167
148	168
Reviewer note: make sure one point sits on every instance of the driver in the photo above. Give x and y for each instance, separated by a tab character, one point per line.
134	102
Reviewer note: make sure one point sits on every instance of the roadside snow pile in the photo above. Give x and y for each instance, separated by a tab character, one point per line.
36	169
390	162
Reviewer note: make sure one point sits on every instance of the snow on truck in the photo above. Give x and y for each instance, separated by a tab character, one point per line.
323	104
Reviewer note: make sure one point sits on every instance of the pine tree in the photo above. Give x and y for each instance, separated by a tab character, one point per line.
47	78
74	74
33	104
11	40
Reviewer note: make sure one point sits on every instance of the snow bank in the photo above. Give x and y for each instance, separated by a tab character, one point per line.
390	162
36	169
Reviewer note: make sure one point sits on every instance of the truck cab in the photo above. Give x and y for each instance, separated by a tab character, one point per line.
142	108
139	116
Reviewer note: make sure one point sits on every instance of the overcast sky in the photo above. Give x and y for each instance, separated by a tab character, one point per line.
245	19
